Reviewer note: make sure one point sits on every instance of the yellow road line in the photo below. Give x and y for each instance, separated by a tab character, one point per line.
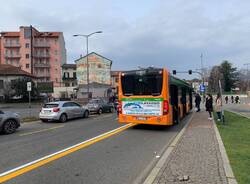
43	130
49	158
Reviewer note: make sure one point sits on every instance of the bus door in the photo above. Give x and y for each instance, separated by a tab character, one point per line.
190	99
184	101
174	102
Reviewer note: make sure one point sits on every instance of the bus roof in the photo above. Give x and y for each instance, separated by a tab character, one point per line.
178	82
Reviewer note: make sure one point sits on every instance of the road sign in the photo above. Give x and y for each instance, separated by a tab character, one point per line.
28	86
202	88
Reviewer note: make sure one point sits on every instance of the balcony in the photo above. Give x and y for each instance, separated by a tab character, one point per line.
41	44
42	65
12	45
41	55
68	78
42	75
12	55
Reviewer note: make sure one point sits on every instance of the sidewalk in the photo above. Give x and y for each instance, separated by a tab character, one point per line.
196	158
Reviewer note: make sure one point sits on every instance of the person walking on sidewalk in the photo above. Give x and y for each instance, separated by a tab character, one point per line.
197	102
226	99
218	106
209	105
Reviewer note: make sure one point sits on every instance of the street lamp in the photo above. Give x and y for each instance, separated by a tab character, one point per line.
87	46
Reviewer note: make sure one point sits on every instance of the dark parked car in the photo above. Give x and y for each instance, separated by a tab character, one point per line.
9	122
98	105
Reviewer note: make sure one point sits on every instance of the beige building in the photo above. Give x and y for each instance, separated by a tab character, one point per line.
99	76
68	87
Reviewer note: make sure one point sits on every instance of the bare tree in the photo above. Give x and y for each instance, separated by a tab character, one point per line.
213	80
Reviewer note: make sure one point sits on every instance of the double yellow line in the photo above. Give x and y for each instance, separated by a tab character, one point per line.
49	158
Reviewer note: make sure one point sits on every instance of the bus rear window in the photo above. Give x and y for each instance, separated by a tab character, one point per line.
50	105
142	83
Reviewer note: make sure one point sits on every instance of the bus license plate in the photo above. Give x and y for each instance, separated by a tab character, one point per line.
141	118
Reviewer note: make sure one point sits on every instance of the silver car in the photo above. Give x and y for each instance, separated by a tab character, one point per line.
62	111
9	122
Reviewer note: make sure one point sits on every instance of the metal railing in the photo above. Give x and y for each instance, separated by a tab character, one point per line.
41	55
9	55
12	45
42	65
41	44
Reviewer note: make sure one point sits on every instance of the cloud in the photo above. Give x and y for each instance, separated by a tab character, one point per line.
172	34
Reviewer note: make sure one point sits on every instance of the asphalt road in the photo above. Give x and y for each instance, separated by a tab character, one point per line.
242	108
125	157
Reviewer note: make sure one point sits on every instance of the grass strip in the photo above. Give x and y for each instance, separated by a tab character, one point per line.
236	138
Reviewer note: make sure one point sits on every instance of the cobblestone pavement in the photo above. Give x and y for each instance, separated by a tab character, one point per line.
196	156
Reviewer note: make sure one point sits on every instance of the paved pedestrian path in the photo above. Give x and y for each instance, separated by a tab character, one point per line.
196	159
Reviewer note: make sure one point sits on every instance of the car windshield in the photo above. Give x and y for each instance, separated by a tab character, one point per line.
50	105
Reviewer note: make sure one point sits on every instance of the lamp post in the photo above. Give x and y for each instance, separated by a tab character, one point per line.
87	47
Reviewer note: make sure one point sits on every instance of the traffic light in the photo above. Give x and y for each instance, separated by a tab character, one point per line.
190	72
174	72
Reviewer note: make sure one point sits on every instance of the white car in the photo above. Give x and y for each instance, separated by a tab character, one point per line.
62	111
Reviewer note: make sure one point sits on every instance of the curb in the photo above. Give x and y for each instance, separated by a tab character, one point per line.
154	172
226	164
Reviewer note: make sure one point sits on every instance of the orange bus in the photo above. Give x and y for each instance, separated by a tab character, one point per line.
152	96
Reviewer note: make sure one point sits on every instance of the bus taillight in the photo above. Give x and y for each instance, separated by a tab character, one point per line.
165	107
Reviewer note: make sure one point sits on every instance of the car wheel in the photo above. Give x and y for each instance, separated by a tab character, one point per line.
63	118
86	114
100	111
9	126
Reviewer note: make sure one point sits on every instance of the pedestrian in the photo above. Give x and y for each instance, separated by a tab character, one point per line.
232	99
197	102
237	99
226	99
209	105
218	106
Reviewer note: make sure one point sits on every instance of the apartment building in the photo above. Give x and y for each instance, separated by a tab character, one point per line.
39	53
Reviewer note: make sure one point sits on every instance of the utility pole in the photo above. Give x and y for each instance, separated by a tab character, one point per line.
247	64
203	78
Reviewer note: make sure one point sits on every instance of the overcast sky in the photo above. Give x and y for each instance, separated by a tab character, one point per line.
162	33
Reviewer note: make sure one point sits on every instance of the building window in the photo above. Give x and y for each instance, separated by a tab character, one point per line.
27	65
55	41
27	45
27	56
55	52
74	75
67	84
56	80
